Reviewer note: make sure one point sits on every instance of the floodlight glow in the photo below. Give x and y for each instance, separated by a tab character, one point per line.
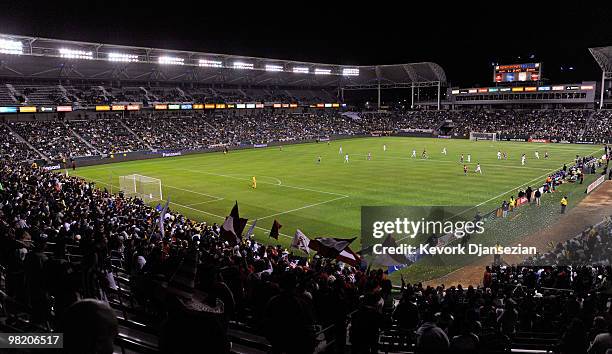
11	47
350	72
171	60
210	63
322	71
121	57
301	70
75	54
272	67
242	65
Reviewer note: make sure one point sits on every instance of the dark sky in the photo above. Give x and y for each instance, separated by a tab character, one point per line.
463	39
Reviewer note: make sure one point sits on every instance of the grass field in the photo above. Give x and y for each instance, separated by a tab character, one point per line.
325	199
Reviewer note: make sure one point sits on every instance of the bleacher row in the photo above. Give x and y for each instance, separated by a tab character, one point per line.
88	95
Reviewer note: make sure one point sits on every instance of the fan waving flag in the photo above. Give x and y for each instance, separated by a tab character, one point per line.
300	241
349	257
390	259
274	230
251	230
227	231
162	218
330	247
239	223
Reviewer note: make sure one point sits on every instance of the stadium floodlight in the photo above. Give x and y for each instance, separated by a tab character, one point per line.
272	67
319	71
8	46
75	54
301	70
243	65
171	60
121	57
210	63
350	72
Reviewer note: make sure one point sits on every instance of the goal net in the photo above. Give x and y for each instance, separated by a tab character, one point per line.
144	187
483	136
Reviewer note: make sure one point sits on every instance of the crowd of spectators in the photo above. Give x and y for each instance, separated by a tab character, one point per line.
51	137
12	149
60	237
138	131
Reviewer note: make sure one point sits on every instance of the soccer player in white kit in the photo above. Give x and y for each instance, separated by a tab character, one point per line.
413	153
369	156
478	170
523	160
537	155
340	151
498	155
384	147
444	151
346	157
469	157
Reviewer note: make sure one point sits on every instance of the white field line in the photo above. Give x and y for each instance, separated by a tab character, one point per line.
508	191
190	191
194	209
274	184
522	184
304	207
454	162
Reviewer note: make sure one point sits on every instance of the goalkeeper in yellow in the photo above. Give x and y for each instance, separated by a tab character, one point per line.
254	183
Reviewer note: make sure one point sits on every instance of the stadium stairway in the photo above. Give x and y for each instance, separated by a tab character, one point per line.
24	141
135	135
83	140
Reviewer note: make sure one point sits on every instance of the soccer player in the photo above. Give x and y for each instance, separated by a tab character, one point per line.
281	148
384	147
254	183
340	151
369	156
505	155
461	159
424	154
346	158
499	155
478	170
444	151
469	157
523	160
465	170
413	153
546	154
537	154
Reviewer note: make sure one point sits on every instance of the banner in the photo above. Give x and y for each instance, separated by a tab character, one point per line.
170	154
595	184
546	141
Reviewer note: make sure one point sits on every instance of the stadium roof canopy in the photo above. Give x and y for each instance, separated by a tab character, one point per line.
603	57
43	58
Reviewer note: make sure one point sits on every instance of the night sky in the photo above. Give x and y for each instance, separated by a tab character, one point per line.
464	40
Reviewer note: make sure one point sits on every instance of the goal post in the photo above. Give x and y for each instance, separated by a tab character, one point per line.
144	187
483	136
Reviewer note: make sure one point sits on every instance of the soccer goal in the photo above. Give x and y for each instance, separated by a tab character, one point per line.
144	187
483	136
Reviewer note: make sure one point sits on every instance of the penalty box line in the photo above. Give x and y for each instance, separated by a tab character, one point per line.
195	209
340	196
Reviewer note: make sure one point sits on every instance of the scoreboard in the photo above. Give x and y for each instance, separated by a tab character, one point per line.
517	72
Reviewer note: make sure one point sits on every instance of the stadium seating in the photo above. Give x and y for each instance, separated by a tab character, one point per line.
118	256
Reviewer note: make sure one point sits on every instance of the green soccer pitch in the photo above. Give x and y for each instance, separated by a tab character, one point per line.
324	199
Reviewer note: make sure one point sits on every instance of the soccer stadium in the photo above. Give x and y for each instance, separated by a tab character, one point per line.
169	199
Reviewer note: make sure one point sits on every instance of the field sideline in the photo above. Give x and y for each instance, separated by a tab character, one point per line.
325	199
